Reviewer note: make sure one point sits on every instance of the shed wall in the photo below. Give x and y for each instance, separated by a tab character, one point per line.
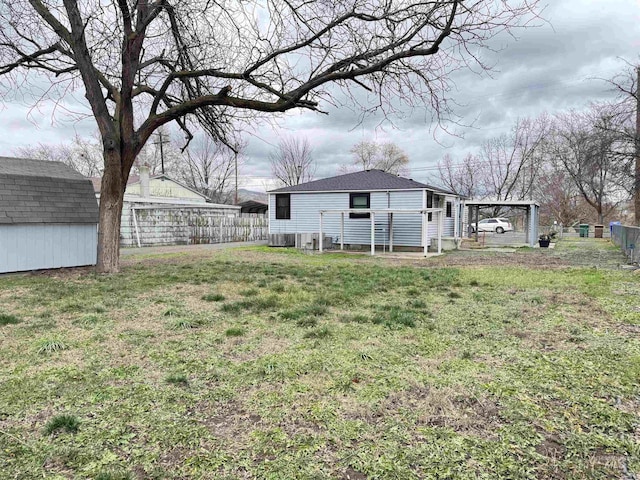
35	247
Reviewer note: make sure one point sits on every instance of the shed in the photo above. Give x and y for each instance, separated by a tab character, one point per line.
48	216
369	208
252	206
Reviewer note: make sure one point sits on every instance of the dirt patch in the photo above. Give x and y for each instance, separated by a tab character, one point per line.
228	421
351	474
552	447
439	407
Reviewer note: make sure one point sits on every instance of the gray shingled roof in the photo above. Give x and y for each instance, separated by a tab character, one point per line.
364	180
37	191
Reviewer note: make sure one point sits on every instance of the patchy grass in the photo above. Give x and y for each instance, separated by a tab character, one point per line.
334	366
67	423
7	319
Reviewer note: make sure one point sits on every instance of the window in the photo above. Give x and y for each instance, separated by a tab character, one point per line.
359	200
429	205
449	210
283	206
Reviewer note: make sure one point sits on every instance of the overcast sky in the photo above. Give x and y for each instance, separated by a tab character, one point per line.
550	68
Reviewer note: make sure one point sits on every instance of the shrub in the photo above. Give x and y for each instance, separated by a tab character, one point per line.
69	423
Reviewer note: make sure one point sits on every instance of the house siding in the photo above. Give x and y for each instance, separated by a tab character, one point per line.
35	246
165	188
305	217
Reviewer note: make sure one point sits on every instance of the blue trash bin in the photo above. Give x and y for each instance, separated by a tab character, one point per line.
611	224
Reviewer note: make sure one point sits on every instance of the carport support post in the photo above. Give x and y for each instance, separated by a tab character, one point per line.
391	233
477	220
527	221
373	233
342	231
321	242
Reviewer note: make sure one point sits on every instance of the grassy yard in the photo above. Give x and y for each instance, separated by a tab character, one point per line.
273	364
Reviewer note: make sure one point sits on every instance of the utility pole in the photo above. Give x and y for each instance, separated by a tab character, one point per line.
161	142
636	192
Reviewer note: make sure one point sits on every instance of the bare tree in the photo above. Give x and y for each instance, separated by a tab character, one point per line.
364	156
559	198
141	64
209	167
387	157
511	163
627	113
292	161
461	178
586	144
82	154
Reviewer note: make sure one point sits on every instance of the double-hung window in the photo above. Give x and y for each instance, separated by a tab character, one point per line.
359	200
449	209
283	206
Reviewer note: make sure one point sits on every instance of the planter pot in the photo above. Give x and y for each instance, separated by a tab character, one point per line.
544	243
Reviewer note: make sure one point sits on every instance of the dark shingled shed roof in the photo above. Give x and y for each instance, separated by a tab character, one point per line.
359	181
38	191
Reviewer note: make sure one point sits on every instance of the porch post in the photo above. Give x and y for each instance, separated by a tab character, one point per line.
373	233
342	231
440	221
321	232
425	231
391	233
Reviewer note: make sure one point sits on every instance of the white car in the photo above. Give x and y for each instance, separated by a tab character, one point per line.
498	225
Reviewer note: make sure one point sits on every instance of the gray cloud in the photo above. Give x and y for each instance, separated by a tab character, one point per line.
549	68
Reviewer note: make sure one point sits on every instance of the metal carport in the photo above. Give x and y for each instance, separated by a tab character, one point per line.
530	207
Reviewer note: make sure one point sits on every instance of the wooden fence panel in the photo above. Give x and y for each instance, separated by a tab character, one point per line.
190	226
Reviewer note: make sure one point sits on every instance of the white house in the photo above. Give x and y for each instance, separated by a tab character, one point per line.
396	212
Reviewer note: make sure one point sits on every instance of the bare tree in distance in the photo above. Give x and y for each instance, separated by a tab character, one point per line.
387	157
460	178
586	144
82	154
292	161
627	111
142	64
559	198
209	167
511	163
504	168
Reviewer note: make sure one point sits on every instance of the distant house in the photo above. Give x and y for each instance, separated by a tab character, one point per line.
156	188
398	211
159	210
251	206
48	216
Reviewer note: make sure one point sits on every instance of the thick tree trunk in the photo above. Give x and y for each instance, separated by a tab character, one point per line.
111	201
